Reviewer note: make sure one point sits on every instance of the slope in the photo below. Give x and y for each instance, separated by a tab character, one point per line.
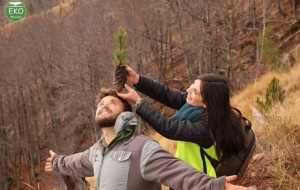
276	163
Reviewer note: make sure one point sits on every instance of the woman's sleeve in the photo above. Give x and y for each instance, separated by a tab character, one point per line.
170	97
196	132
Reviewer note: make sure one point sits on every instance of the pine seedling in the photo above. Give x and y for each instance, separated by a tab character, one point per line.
274	94
120	59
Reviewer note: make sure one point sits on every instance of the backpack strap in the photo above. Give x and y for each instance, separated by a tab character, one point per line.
202	154
249	151
216	163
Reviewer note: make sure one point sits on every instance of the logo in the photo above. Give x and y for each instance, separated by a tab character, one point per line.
15	10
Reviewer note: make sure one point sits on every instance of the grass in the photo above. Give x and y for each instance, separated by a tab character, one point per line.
276	164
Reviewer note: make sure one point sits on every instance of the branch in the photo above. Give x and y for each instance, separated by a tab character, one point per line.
29	185
287	39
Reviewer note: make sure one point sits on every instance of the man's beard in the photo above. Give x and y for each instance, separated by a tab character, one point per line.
106	122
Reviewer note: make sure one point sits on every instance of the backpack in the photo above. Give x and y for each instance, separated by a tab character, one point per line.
235	164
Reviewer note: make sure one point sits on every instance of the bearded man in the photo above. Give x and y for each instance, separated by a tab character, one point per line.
125	159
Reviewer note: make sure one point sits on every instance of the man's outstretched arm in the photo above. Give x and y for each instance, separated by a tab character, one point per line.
160	166
75	165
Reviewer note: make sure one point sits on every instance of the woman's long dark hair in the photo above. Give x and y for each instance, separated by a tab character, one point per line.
223	121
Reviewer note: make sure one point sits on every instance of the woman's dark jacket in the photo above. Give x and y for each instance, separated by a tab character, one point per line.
196	132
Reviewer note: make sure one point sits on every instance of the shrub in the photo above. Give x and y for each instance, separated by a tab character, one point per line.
274	94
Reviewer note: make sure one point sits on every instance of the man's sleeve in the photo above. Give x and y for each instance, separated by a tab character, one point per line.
75	165
160	166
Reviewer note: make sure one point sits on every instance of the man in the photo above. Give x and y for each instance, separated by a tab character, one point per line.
125	159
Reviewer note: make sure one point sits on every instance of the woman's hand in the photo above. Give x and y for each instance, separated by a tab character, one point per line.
131	95
132	76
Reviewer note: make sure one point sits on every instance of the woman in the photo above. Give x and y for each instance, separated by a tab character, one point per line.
205	118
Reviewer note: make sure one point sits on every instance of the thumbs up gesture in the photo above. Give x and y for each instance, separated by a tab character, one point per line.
48	164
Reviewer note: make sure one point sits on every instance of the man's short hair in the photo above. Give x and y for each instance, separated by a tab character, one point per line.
110	92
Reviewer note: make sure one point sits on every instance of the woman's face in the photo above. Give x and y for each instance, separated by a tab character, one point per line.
194	97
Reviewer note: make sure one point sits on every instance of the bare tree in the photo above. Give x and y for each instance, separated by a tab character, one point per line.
3	147
294	3
255	28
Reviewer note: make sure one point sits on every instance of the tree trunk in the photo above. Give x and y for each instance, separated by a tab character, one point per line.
210	46
264	24
3	148
28	154
253	6
185	53
161	61
18	147
279	7
35	121
229	64
293	2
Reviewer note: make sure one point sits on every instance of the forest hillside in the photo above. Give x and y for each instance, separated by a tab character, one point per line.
55	60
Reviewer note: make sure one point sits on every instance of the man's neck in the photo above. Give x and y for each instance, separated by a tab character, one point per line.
109	134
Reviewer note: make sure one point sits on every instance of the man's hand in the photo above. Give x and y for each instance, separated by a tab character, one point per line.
131	95
48	164
230	186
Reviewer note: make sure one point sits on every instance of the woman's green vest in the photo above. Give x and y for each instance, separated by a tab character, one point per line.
190	152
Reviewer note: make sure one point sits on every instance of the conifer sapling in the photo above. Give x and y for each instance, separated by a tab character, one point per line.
120	59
